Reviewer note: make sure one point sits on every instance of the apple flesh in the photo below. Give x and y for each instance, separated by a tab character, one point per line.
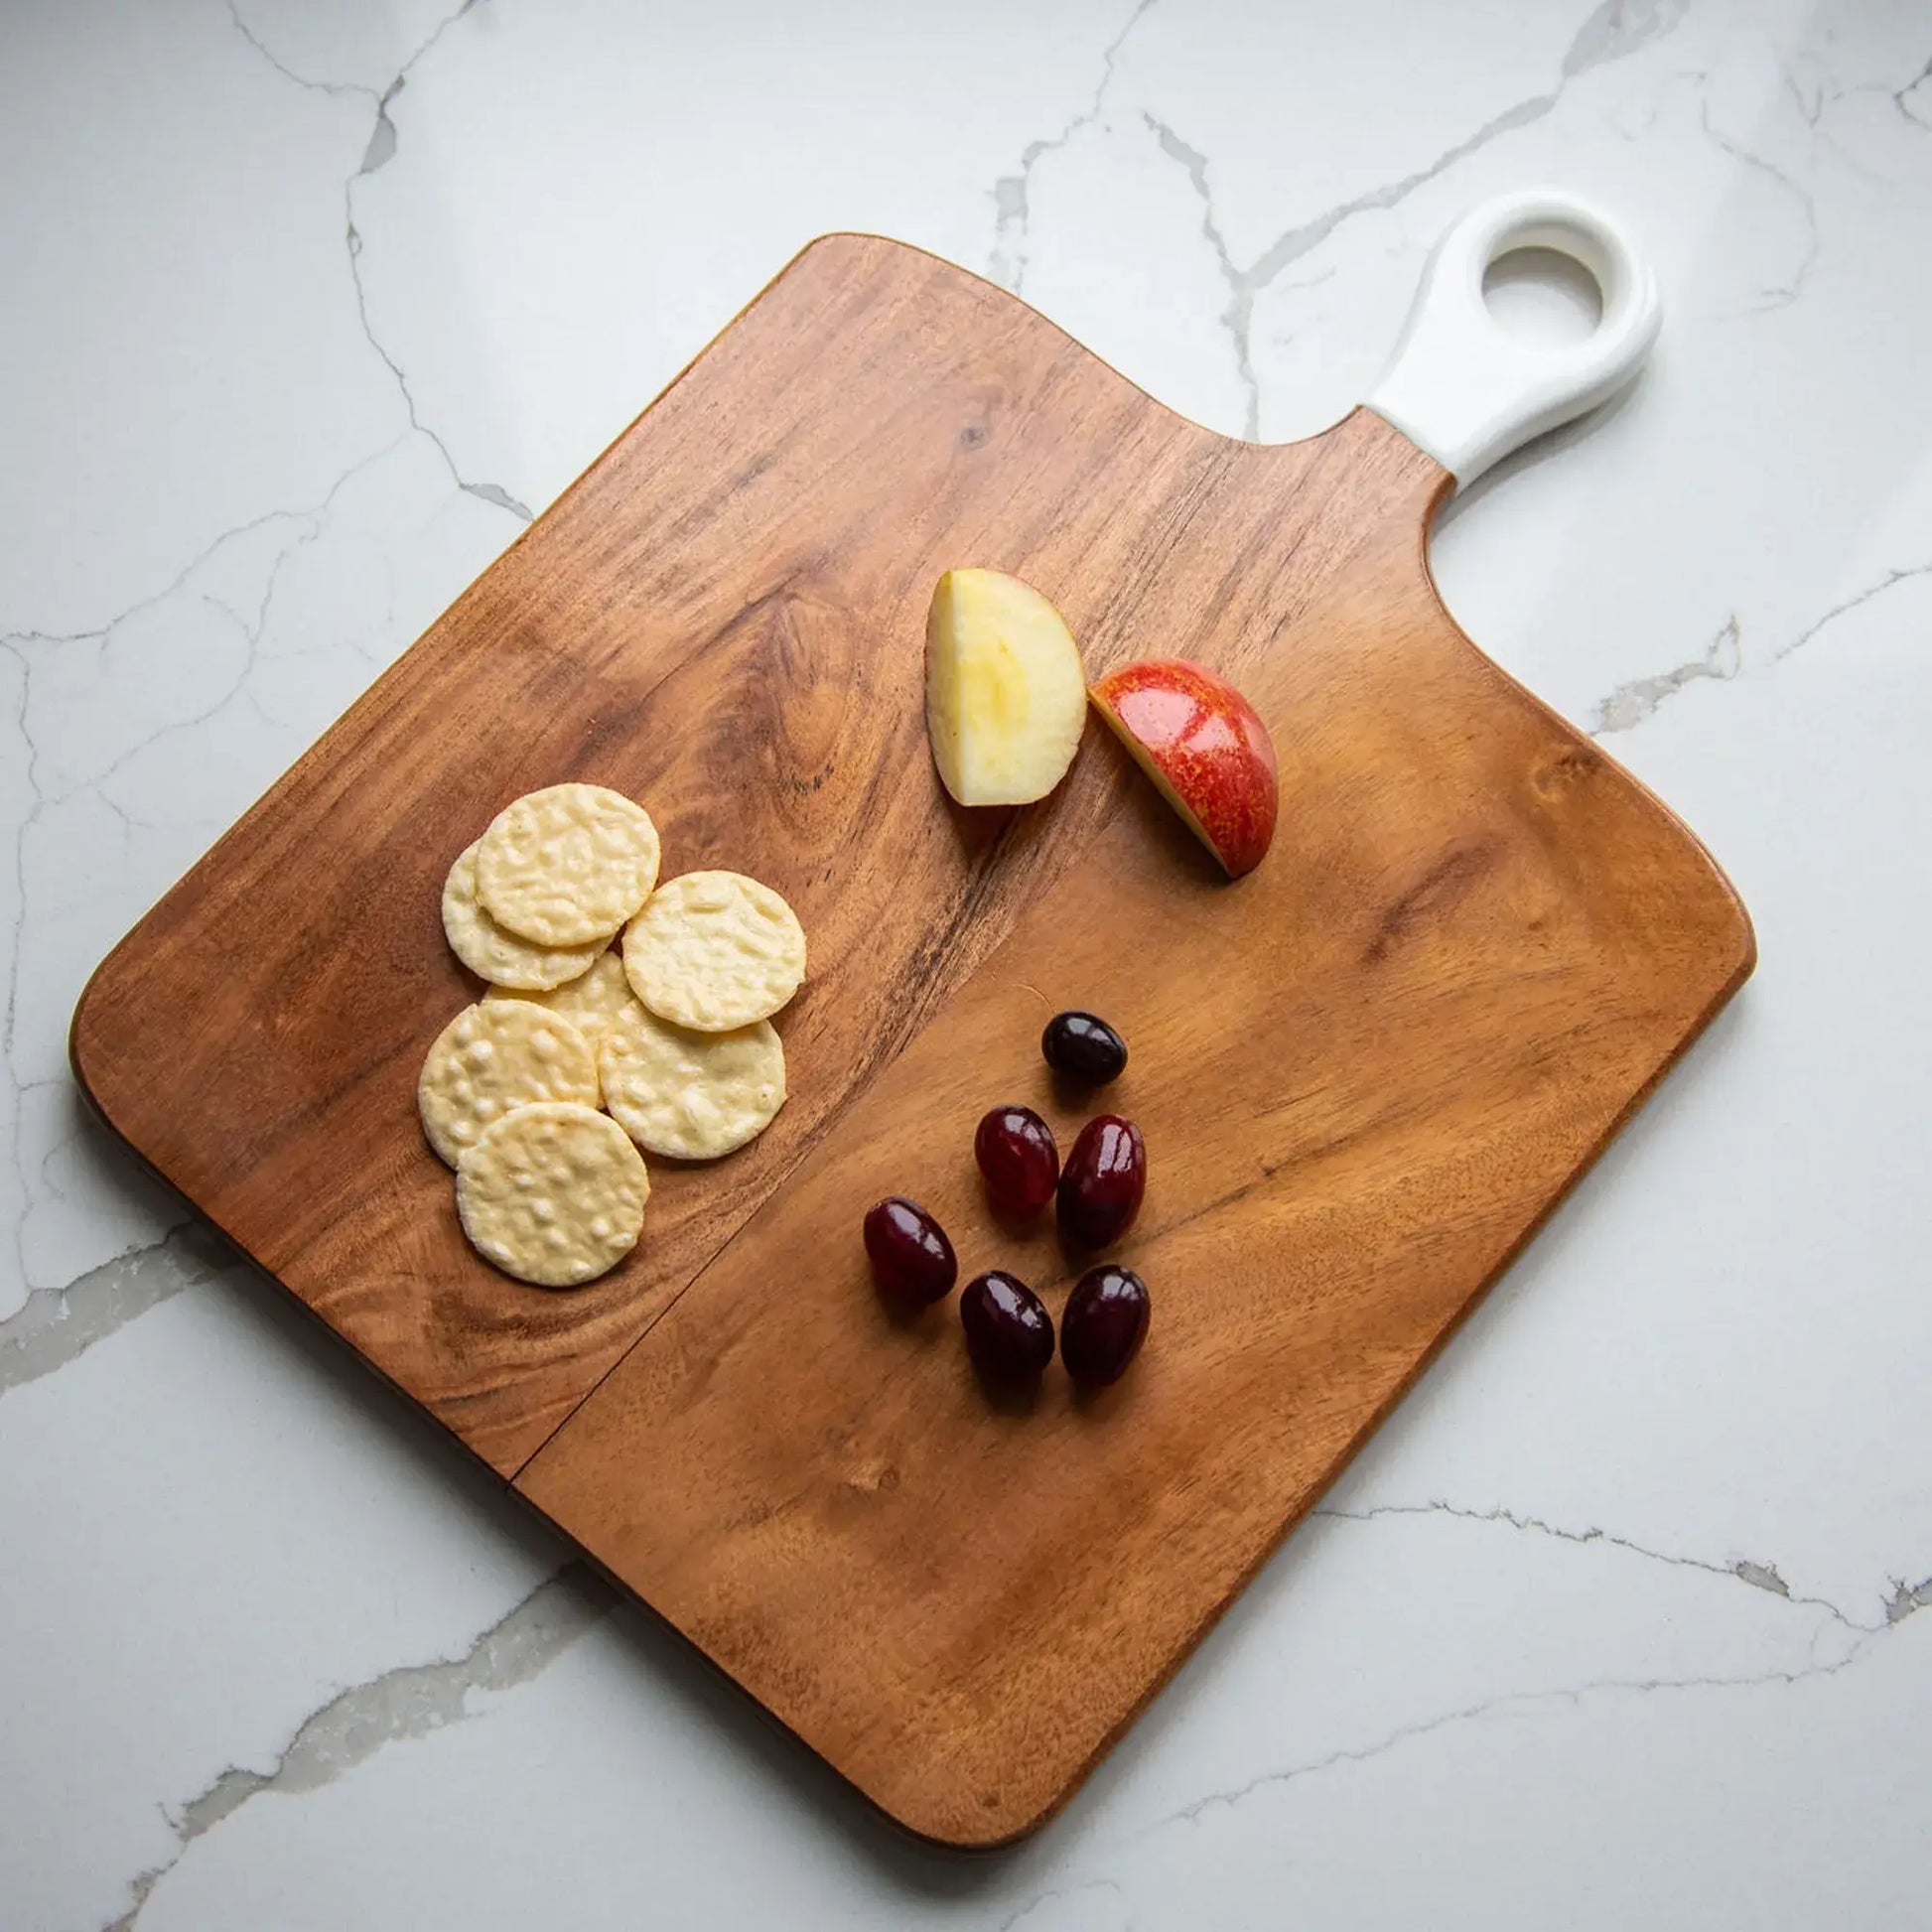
1202	743
1006	694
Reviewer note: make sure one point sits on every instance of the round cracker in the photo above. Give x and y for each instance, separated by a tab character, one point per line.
495	953
690	1095
567	865
590	1002
713	950
492	1058
553	1194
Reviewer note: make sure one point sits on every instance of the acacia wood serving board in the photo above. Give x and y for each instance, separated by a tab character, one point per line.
1365	1073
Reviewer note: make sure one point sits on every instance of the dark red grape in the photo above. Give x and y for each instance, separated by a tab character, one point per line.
1018	1161
1103	1324
910	1254
1084	1048
1009	1333
1102	1182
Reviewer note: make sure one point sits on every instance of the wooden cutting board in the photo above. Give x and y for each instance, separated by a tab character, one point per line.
1365	1073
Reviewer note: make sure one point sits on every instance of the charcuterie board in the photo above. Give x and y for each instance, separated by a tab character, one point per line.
1365	1073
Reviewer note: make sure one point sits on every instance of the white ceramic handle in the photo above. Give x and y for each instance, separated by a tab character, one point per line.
1463	388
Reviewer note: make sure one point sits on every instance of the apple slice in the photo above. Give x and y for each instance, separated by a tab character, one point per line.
1202	741
1006	694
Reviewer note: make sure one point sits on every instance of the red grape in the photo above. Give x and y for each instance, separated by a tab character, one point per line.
1009	1333
1102	1182
910	1254
1084	1048
1017	1159
1103	1324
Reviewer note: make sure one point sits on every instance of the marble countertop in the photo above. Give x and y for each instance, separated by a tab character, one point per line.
307	308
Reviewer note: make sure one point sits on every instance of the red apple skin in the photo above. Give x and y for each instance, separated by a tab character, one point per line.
1203	743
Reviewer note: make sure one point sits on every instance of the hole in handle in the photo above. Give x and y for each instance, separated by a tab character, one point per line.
1542	297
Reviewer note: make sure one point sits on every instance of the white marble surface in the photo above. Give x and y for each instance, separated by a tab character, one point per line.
305	307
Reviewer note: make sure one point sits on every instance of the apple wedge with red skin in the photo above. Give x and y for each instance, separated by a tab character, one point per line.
1204	746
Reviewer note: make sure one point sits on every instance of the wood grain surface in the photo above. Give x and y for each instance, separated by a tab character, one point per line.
1365	1072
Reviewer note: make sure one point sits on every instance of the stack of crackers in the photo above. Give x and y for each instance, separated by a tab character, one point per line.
607	991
